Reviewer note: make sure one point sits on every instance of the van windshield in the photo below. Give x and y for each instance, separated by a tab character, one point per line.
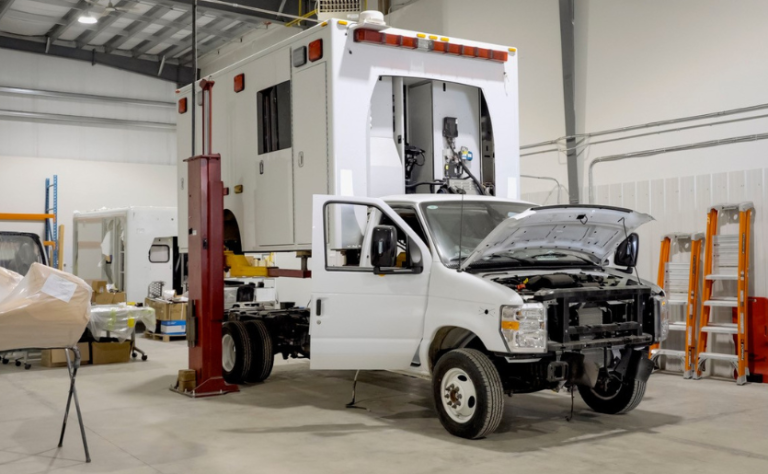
456	236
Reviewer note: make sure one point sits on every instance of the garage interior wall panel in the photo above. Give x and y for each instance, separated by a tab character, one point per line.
638	62
79	141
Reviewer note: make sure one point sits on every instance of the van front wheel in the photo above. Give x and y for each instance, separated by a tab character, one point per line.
468	393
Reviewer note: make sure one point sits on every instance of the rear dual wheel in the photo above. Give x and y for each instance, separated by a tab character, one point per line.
246	352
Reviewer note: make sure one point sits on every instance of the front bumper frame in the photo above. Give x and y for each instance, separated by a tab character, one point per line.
638	328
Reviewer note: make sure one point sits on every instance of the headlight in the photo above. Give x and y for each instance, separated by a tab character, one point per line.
525	327
662	313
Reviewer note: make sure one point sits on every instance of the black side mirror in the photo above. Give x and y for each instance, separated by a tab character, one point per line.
384	247
626	252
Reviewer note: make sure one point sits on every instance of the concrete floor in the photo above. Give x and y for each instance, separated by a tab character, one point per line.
296	422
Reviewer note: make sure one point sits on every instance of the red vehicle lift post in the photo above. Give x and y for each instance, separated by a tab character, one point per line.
206	262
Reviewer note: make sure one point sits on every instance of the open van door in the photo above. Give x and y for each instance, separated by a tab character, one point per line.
370	276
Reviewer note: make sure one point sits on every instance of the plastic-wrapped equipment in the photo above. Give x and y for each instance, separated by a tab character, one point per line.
47	308
8	281
119	320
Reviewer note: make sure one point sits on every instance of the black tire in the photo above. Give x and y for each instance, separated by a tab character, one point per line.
489	403
262	355
242	352
614	398
144	357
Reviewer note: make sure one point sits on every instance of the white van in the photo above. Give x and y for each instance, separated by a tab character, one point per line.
483	294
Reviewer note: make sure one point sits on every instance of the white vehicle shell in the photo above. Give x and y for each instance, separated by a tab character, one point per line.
139	241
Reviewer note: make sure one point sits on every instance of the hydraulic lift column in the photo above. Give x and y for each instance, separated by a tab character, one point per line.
206	262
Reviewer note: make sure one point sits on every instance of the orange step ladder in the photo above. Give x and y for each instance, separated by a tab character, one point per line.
679	277
726	269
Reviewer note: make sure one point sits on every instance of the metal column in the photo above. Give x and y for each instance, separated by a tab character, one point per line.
569	100
206	263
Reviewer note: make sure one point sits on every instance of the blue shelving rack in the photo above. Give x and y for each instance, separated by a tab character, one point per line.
52	225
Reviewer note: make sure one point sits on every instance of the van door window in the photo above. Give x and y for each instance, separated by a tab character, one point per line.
412	219
348	228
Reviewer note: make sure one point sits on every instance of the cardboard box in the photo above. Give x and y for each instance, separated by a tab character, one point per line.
187	375
167	310
57	358
172	328
109	298
98	286
110	352
186	380
102	296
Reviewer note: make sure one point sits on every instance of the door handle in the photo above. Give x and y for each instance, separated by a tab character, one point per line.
301	159
318	307
261	167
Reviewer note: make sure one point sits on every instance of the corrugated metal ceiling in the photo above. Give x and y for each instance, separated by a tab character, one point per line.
145	30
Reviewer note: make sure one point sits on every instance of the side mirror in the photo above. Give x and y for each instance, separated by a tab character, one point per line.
626	252
384	247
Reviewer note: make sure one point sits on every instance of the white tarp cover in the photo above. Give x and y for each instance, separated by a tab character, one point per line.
47	308
119	320
8	281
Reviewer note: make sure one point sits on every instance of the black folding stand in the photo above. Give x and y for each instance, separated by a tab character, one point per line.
72	366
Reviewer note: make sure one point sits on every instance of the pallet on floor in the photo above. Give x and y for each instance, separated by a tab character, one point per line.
164	337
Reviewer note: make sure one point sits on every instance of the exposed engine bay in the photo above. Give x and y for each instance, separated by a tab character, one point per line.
587	310
595	321
528	285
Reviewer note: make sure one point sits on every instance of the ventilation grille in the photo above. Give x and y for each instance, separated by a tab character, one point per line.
339	6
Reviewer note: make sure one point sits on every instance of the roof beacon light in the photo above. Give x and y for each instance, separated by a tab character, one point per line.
368	35
372	19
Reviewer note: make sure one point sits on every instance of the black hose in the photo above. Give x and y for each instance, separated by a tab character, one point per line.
479	185
422	183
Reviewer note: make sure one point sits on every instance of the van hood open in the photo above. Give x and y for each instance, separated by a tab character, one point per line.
595	231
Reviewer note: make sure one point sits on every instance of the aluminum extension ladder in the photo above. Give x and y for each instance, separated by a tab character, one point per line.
726	261
679	276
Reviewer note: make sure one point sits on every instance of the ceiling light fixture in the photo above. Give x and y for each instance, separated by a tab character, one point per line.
87	18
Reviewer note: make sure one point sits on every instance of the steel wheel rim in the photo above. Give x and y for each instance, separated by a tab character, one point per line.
458	395
228	353
612	389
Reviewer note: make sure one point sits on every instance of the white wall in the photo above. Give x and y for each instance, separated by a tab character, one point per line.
97	166
655	60
83	186
534	29
80	141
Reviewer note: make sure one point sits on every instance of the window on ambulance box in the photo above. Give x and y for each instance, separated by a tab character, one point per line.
159	254
274	121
